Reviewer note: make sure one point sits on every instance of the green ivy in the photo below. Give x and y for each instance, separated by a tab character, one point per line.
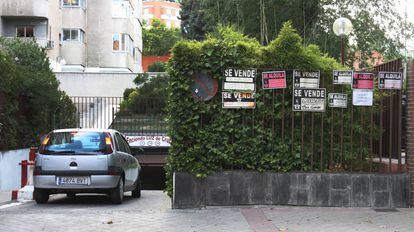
206	138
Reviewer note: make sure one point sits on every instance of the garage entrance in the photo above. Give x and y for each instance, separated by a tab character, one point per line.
145	129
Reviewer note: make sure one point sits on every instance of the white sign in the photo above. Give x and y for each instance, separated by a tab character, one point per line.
149	141
342	77
312	100
306	79
337	100
239	86
362	97
389	80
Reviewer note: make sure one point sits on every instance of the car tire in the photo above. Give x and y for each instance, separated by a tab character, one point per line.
117	194
136	193
71	195
41	196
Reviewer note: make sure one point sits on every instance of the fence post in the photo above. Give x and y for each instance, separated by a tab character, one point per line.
410	125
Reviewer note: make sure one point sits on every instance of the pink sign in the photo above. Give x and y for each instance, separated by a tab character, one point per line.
363	81
274	80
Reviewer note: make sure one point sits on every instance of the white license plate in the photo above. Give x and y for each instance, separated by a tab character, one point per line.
73	180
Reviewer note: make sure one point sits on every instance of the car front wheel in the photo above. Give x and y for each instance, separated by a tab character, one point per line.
41	196
117	194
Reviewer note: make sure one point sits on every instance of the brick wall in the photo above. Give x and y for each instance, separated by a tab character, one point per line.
410	125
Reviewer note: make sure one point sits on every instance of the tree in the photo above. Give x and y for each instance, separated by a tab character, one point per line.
158	39
377	24
34	104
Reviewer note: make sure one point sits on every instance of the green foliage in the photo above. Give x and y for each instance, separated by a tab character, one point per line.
378	26
157	66
34	104
148	87
206	138
158	39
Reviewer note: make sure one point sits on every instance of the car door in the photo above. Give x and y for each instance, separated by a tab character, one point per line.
124	159
133	164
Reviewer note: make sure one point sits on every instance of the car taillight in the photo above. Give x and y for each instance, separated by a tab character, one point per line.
108	144
37	171
114	171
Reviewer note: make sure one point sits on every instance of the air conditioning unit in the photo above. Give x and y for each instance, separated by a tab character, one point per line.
50	44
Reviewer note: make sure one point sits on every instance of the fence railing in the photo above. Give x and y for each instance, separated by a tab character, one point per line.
145	117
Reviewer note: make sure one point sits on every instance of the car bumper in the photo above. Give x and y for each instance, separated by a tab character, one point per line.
96	182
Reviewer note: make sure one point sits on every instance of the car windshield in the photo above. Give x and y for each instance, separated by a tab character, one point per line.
74	142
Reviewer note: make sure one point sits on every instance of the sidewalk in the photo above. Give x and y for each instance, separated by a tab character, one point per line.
5	196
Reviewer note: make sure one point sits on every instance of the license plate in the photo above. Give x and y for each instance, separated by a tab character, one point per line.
73	180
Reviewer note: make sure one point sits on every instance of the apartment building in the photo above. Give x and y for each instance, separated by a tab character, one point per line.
99	36
166	11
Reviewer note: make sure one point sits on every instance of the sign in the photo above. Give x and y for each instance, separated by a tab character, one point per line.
389	80
274	80
363	81
309	100
237	100
338	100
342	77
362	97
240	79
148	141
204	86
306	79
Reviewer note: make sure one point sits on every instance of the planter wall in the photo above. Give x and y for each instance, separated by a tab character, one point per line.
302	189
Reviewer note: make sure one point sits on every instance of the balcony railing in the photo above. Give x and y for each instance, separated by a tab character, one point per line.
42	42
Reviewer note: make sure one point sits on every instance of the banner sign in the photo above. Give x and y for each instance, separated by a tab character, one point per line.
274	80
148	141
390	80
240	79
306	79
312	100
342	77
362	98
237	100
363	81
338	100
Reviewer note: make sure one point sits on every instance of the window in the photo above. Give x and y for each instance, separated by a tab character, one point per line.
74	3
25	31
120	143
122	43
137	55
121	9
73	35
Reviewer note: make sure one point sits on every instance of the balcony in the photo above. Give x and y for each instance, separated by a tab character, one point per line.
42	42
27	8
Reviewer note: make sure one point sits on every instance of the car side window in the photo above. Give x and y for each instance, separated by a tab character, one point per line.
120	143
127	148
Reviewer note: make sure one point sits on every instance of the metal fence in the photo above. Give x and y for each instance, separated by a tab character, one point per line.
145	117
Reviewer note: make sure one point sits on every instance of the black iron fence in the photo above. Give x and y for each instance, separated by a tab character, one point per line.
146	117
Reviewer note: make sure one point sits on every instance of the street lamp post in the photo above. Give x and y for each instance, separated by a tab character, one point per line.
342	27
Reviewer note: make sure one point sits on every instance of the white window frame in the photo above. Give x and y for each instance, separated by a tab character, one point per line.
122	9
81	35
81	4
126	43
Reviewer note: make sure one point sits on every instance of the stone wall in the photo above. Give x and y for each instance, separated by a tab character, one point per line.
304	189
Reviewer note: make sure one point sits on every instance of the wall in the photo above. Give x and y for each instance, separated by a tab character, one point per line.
10	170
95	84
304	189
148	60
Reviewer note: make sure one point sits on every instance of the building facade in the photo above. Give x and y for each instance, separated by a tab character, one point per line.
166	11
79	35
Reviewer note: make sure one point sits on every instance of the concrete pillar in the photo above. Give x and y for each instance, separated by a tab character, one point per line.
410	125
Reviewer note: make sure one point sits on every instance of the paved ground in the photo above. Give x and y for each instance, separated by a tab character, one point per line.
5	196
153	212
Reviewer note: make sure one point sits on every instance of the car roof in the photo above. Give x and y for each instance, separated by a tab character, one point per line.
85	130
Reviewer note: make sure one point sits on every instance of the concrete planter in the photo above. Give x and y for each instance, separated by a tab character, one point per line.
302	189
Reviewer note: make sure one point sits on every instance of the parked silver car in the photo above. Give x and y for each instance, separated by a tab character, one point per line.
86	161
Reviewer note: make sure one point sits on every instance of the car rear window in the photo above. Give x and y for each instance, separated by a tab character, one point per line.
75	142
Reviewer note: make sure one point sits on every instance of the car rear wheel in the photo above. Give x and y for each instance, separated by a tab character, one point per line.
117	194
41	196
136	193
